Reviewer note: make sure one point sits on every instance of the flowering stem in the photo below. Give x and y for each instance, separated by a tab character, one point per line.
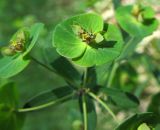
84	106
103	104
45	105
54	71
112	74
85	77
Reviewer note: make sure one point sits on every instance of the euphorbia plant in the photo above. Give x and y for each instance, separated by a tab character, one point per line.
13	59
87	44
87	40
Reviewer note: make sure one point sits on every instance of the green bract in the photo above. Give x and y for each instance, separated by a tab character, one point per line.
137	20
17	43
87	41
20	45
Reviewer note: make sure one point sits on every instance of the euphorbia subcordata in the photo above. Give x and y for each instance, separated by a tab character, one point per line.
98	50
13	59
87	40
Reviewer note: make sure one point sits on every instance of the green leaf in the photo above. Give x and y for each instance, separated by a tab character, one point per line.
91	115
34	34
99	38
82	39
143	126
48	98
9	118
91	79
3	82
12	65
154	105
120	98
132	25
64	68
136	120
67	42
148	13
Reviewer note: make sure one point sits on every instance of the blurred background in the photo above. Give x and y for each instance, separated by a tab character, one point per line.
144	64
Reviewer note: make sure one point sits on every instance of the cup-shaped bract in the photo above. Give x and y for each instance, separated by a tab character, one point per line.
137	20
17	43
87	41
13	60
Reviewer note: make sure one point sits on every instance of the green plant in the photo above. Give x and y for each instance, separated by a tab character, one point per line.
90	52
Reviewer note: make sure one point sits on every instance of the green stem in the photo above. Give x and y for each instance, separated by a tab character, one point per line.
54	71
103	104
45	105
85	77
112	74
84	112
40	63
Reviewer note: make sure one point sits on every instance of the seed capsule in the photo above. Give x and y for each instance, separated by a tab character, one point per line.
99	38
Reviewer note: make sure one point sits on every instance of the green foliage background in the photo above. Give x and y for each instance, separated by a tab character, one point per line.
35	79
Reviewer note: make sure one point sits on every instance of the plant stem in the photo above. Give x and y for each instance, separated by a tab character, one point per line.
84	112
54	71
85	77
103	104
40	63
112	74
45	105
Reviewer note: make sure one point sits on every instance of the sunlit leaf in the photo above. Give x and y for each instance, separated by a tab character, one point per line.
86	41
120	98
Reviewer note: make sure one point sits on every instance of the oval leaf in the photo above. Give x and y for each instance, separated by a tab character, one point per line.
65	69
49	98
120	98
